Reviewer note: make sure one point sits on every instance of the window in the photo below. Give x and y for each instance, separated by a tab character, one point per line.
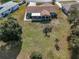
28	16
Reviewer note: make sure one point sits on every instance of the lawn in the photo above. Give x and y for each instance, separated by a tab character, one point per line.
3	1
34	40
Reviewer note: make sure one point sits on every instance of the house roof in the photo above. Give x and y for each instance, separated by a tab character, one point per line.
76	5
7	6
38	9
45	13
68	6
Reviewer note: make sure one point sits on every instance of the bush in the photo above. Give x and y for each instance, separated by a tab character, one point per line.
73	14
73	39
10	30
36	55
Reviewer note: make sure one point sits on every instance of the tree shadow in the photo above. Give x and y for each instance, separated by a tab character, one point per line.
10	50
75	53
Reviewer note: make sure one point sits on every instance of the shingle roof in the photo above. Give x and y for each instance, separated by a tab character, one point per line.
38	9
45	13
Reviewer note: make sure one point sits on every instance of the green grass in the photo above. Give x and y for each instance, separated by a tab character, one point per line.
3	1
34	39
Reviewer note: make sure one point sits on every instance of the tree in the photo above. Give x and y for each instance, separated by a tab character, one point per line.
75	32
3	1
73	39
10	30
47	30
36	55
73	14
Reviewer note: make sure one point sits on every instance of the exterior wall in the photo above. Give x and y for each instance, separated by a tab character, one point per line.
41	17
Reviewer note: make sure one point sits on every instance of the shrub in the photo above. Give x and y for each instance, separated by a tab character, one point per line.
36	55
10	30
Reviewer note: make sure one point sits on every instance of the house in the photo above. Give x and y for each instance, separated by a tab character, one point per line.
7	8
45	10
41	12
67	6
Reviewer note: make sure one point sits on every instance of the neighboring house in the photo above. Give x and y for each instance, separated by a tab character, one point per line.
66	6
7	8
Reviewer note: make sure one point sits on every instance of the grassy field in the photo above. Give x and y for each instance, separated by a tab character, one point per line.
3	1
34	40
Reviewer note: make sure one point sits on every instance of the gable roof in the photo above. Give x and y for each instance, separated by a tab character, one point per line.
38	9
45	13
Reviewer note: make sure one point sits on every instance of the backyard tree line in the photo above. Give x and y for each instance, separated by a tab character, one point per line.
73	39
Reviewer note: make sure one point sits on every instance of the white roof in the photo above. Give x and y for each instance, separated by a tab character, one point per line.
32	4
59	4
36	14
